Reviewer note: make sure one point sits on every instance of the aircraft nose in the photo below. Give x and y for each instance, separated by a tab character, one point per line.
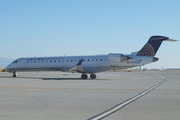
7	67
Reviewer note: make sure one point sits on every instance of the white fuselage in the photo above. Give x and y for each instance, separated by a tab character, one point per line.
90	64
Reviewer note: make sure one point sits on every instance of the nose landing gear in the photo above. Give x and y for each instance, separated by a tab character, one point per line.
14	74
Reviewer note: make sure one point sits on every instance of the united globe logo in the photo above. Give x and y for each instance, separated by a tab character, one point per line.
147	50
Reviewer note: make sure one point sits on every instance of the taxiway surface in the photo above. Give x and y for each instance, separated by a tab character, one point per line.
112	96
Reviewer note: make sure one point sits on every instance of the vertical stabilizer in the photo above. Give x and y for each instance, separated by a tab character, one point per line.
152	46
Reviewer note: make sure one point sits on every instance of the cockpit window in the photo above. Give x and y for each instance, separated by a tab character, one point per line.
15	61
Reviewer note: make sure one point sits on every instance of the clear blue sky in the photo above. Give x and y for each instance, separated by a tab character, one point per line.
86	27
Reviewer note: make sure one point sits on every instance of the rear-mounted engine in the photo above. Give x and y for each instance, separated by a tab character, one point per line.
117	57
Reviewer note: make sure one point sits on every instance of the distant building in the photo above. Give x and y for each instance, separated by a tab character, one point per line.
173	69
145	69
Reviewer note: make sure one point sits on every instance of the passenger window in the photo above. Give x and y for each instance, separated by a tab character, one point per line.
96	59
71	60
100	59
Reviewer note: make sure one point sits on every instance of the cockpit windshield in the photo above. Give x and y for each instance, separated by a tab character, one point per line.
15	61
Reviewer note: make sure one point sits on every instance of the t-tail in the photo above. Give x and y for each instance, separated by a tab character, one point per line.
152	46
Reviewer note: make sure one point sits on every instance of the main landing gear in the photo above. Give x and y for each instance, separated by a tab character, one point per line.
14	74
84	76
92	76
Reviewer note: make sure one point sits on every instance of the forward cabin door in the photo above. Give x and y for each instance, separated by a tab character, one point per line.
23	63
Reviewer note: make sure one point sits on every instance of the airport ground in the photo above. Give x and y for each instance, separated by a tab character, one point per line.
137	95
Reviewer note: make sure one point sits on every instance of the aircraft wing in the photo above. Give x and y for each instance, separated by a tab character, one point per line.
77	68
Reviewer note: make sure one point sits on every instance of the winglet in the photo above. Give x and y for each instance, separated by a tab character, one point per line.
79	63
77	68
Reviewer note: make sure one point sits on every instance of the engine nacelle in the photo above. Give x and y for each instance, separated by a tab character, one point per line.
117	57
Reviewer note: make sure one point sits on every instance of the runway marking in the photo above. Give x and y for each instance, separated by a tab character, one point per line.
48	110
174	75
159	75
54	108
68	88
34	88
25	96
123	104
83	89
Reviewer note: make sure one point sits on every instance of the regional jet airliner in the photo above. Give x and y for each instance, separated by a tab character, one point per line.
90	64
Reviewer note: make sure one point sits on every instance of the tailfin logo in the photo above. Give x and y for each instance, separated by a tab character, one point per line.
147	50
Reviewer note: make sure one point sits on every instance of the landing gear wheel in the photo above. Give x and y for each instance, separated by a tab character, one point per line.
14	74
84	76
93	76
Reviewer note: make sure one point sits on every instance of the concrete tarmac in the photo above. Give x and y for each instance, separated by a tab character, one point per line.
112	96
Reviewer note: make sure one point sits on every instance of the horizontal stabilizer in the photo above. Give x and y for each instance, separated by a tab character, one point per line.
171	40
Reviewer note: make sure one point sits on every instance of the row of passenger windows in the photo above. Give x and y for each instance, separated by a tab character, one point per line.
44	59
54	61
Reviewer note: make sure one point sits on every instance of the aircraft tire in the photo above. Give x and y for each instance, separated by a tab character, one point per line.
14	74
93	76
84	76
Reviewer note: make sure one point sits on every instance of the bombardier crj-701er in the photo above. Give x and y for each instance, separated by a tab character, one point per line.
90	64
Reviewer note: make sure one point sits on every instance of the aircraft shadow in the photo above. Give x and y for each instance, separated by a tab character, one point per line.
71	79
42	78
61	79
20	77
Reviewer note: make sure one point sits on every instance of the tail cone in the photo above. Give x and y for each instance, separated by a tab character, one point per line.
155	59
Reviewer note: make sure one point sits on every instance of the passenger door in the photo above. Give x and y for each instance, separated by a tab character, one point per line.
23	63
